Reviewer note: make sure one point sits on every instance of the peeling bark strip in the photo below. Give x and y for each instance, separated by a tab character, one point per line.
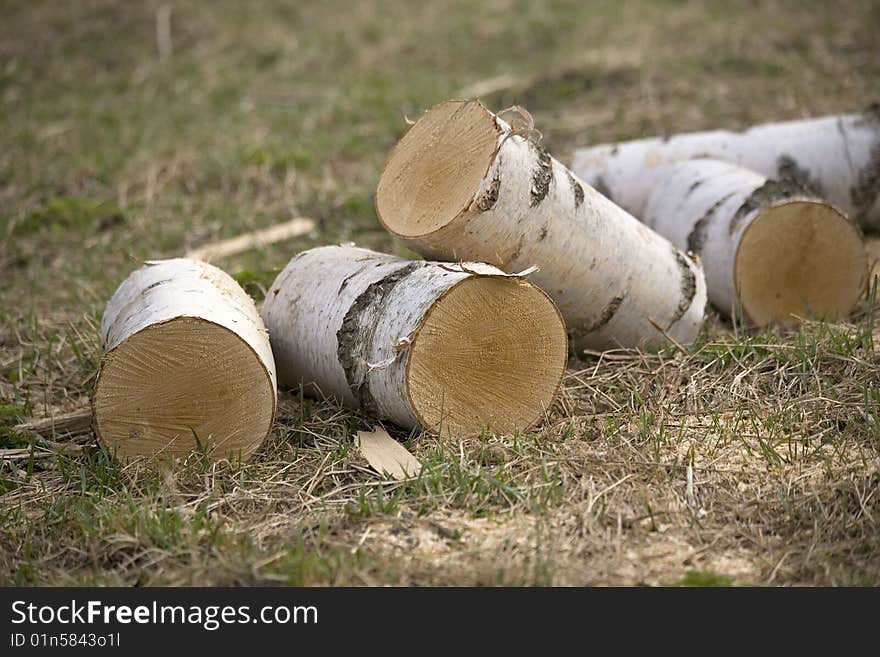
488	200
187	365
406	341
542	176
835	157
576	189
587	249
355	337
733	220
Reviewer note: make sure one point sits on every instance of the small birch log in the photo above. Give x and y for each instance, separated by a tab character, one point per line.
187	365
769	245
836	157
454	348
462	185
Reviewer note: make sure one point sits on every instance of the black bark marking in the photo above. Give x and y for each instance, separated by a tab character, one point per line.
356	272
601	187
347	279
576	189
788	169
770	192
354	339
544	229
693	186
489	198
517	251
542	176
688	287
697	237
122	314
156	284
867	188
607	314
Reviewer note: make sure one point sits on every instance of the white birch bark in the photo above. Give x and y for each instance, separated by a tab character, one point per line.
610	276
343	322
707	206
182	297
837	157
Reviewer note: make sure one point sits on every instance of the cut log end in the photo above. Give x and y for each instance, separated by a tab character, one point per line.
183	385
490	352
434	172
799	258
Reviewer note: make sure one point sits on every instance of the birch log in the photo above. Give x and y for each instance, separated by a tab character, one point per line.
454	348
462	185
837	157
768	247
187	365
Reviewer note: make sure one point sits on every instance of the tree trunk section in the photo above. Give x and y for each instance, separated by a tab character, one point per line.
454	348
769	247
836	157
187	366
462	185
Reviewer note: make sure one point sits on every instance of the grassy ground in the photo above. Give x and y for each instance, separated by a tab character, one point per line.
752	459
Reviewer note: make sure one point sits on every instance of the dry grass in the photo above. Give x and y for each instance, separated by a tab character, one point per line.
751	459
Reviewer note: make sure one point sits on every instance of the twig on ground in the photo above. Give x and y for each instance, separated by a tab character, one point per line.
72	424
253	239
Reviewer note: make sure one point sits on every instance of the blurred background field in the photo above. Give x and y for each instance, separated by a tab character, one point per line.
752	459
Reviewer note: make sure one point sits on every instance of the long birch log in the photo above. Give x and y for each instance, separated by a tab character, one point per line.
461	184
837	157
769	248
454	348
187	365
